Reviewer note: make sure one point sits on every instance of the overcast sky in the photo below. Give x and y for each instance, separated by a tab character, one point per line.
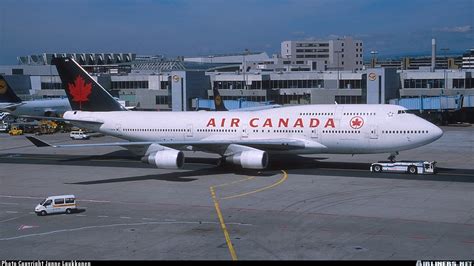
202	27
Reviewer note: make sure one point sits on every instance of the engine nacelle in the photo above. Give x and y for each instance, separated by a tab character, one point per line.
167	159
250	159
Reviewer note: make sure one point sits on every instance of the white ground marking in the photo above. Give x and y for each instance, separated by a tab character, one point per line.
106	226
13	218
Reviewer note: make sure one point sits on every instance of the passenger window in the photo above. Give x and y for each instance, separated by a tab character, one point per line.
70	200
47	203
59	201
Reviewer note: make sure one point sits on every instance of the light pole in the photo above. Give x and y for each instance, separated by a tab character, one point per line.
374	57
246	52
444	70
337	52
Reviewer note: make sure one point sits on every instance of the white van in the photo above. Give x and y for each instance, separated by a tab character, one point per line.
79	134
57	204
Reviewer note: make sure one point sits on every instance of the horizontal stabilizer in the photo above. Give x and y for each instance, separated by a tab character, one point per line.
61	119
10	107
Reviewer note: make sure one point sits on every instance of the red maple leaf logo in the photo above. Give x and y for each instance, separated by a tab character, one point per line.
357	122
80	90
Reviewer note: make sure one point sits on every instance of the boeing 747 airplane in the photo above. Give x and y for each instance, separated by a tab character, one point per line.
248	138
10	103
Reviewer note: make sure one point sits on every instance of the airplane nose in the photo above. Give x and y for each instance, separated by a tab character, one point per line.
436	132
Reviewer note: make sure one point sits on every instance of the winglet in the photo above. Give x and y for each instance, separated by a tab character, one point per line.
38	142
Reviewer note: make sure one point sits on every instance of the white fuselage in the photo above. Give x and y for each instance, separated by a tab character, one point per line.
340	128
46	107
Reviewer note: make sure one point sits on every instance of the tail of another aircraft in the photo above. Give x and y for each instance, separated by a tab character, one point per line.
218	102
7	95
83	91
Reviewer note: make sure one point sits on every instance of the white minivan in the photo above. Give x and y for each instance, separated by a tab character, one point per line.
57	204
79	134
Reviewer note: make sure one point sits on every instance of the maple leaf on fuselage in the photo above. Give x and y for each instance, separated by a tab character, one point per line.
80	90
356	122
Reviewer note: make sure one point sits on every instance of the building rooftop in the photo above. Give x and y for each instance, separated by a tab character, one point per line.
161	65
82	58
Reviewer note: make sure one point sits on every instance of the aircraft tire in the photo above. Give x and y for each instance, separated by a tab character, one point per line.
377	168
412	169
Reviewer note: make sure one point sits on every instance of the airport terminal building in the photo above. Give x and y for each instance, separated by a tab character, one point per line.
183	84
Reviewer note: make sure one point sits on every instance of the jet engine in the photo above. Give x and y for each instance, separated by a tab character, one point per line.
167	159
254	159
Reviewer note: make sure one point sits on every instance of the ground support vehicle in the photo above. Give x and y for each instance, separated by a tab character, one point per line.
410	167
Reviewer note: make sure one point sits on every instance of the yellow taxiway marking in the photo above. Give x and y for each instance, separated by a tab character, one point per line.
235	182
218	209
285	176
224	229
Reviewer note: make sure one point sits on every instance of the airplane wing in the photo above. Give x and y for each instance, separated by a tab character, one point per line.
10	107
219	104
257	108
264	144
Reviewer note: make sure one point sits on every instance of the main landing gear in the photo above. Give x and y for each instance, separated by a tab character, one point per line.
392	156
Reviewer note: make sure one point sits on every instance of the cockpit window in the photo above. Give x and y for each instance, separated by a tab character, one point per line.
402	112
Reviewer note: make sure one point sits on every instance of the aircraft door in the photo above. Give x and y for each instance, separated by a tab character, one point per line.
189	131
374	132
338	111
314	133
118	129
245	133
